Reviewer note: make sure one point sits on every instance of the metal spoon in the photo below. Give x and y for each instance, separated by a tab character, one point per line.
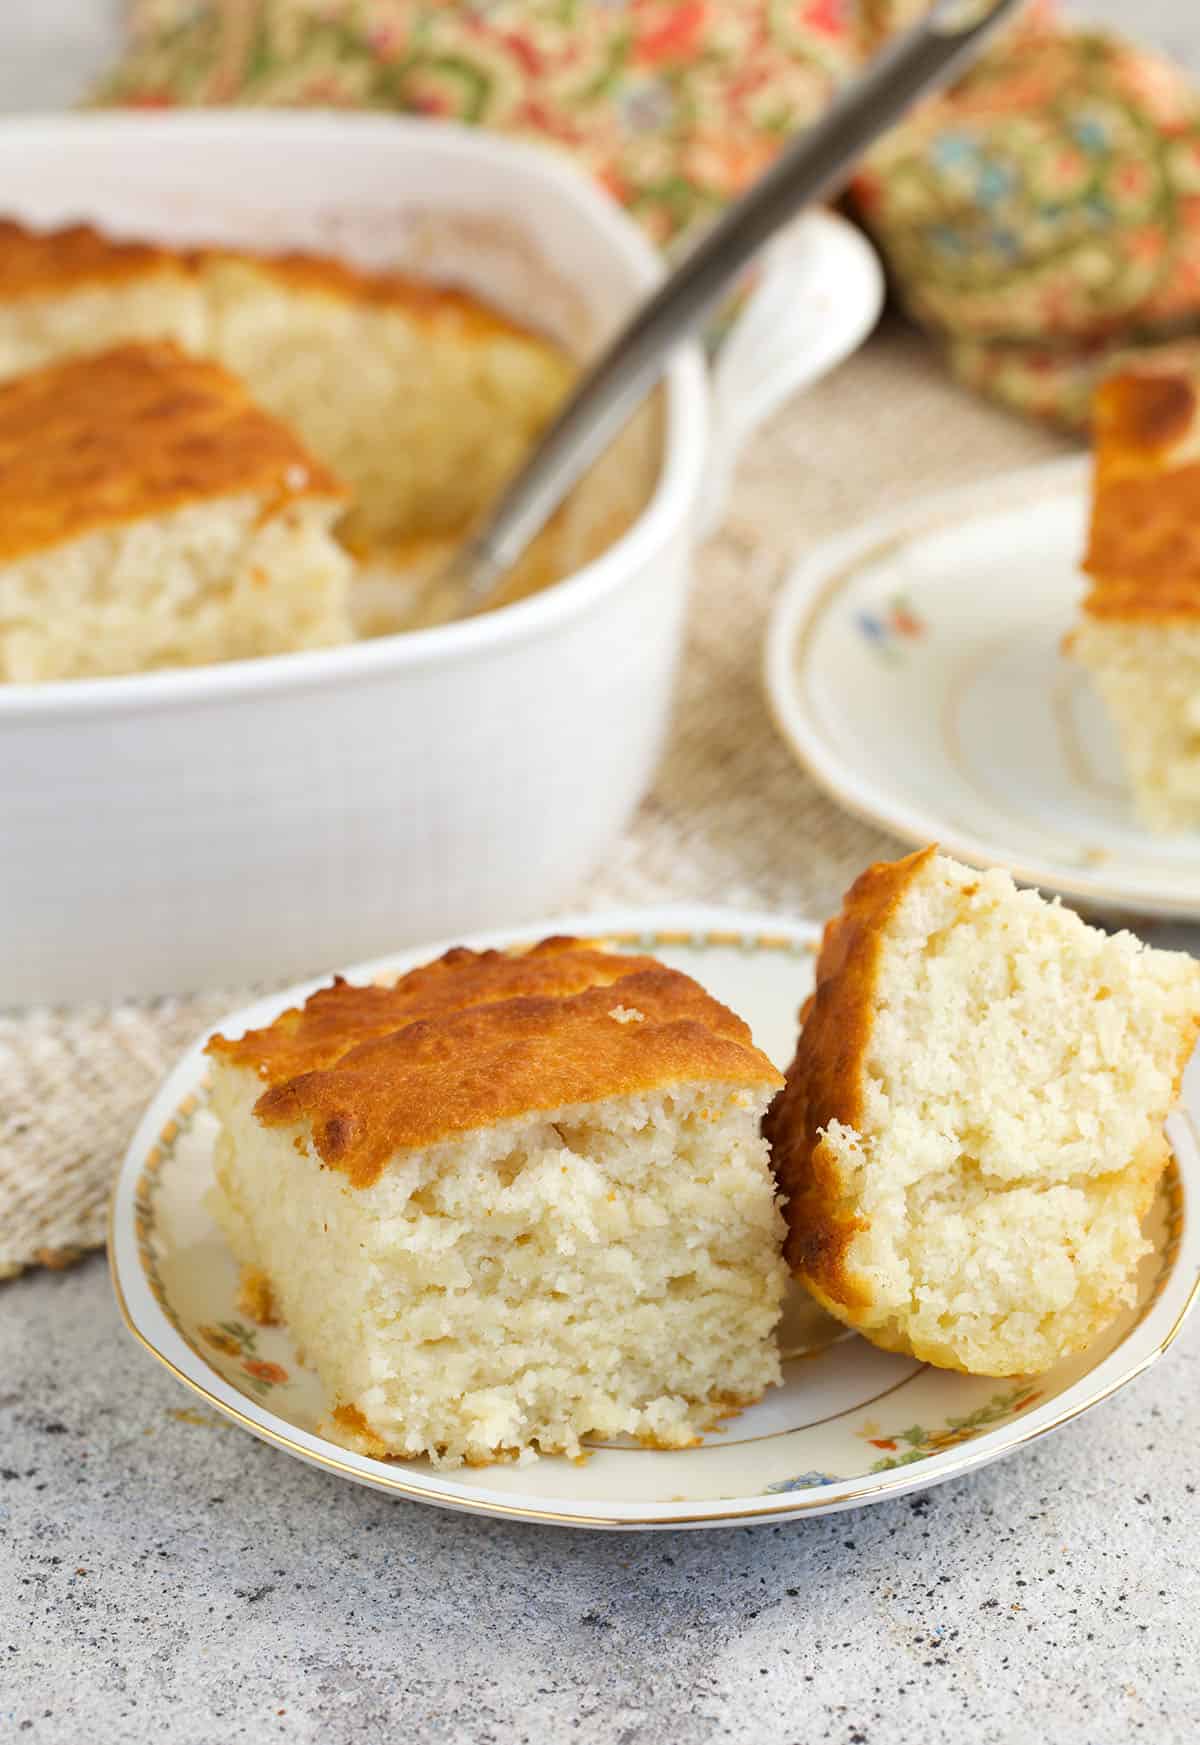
812	166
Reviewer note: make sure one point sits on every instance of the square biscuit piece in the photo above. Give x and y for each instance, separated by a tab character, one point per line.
151	515
972	1128
422	398
510	1202
1139	633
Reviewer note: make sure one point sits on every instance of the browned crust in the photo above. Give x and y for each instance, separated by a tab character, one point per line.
135	432
1140	415
441	310
353	1423
40	263
256	1297
34	263
337	1018
482	1037
1143	550
825	1080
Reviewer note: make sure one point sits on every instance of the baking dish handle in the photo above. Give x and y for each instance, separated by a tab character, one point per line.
816	297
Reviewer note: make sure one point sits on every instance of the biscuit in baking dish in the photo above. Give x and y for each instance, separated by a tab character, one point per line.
511	1201
422	399
151	515
74	290
1139	634
972	1126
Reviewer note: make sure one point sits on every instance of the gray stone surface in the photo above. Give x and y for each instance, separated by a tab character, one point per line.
163	1576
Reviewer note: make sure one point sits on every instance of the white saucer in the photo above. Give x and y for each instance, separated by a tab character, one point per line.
850	1425
915	667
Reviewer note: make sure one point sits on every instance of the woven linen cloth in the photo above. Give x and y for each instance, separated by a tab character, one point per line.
730	817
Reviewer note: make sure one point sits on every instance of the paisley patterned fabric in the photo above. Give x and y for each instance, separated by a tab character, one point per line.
673	106
1055	192
1041	219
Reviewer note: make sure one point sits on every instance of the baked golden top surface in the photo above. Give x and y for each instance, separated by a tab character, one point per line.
36	263
1139	417
1144	543
825	1079
476	1038
45	263
133	432
441	310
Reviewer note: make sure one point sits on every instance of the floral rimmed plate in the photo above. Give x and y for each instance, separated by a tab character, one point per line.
916	668
850	1425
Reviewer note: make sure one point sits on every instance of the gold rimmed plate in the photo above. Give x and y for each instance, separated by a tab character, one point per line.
850	1425
916	668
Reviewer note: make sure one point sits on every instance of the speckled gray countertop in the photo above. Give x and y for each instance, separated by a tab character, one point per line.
163	1576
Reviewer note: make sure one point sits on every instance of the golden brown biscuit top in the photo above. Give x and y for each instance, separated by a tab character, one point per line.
1144	543
825	1079
1139	417
482	1037
133	432
440	309
35	263
336	1019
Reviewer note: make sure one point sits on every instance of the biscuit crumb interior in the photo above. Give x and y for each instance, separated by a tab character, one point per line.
1018	1072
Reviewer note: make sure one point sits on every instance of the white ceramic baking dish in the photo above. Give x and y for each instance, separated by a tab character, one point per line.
218	825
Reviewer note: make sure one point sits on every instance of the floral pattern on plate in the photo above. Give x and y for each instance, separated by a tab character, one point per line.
236	1339
919	1443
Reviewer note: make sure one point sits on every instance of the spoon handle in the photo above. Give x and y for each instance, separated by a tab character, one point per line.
605	396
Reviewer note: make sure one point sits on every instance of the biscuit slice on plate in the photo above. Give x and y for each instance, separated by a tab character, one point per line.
972	1126
1139	635
509	1202
151	515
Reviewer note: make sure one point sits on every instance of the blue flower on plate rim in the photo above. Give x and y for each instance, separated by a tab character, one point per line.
894	623
804	1481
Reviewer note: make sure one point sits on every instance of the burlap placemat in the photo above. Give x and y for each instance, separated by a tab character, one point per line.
730	819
